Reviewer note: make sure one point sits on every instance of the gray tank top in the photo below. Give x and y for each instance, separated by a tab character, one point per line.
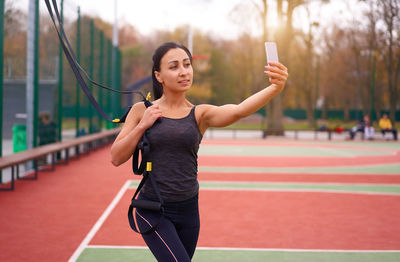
174	144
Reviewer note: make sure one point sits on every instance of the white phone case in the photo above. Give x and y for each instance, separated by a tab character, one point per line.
272	52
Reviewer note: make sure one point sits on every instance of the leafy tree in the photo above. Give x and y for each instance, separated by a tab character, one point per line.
389	11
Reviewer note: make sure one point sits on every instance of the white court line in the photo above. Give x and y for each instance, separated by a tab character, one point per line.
266	183
251	169
99	222
257	249
337	152
300	191
126	186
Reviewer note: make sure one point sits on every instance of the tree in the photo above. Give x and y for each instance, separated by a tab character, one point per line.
14	40
12	20
222	78
389	12
372	45
284	36
337	81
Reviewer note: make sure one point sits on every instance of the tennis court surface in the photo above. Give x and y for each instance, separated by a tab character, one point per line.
260	200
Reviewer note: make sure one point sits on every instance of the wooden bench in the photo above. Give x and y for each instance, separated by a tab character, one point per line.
89	142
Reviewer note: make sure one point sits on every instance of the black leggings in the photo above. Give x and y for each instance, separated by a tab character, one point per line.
175	238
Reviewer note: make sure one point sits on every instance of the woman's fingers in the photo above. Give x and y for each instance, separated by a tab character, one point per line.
280	70
151	114
278	65
276	76
155	111
277	73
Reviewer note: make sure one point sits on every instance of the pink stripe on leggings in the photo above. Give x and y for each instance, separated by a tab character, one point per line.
158	235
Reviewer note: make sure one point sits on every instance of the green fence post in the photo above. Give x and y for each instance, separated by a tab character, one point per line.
60	81
36	76
101	78
78	57
373	116
109	81
119	101
1	79
91	62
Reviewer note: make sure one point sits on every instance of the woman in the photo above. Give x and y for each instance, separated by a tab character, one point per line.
175	140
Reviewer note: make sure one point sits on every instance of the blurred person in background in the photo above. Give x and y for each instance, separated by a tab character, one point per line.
369	130
47	132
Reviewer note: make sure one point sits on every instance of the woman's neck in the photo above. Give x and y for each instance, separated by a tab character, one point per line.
173	100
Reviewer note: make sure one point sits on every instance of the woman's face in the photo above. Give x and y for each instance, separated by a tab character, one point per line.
176	72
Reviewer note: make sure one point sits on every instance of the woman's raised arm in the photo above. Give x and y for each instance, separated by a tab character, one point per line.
220	116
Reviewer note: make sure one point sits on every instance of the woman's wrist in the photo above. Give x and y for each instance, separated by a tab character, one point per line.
140	128
275	88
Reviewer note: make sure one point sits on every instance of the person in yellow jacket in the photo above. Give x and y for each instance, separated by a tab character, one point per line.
386	126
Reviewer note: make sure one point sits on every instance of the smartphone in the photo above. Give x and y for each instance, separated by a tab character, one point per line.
272	52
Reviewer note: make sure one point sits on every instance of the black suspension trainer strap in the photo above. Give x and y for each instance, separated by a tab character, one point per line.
143	146
76	67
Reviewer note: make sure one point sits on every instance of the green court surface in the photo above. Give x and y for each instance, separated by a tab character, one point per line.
377	144
234	255
284	151
261	200
355	169
386	189
298	148
269	166
309	187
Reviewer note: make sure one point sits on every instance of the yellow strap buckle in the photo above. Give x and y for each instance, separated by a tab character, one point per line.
148	167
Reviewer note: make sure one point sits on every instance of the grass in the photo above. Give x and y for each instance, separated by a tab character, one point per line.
69	123
287	125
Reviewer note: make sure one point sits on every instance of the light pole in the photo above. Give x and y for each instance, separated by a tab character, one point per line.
115	57
32	75
1	77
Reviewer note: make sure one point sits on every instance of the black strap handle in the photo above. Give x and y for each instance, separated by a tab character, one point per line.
146	204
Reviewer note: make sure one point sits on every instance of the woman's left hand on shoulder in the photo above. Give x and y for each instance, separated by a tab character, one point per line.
277	73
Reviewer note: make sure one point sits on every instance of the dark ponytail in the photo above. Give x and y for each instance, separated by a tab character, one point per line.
157	56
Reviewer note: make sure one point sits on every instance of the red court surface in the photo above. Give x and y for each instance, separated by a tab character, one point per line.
289	220
301	178
282	161
47	219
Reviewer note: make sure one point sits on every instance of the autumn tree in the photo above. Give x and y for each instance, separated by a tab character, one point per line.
337	77
14	40
389	11
284	36
222	78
